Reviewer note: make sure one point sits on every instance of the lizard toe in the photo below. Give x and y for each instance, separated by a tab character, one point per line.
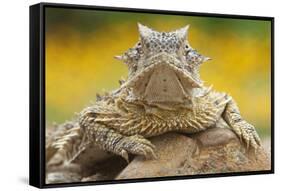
138	145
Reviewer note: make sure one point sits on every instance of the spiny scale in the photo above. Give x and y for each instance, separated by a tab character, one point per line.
149	125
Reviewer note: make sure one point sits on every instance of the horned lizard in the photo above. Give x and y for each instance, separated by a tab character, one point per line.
163	93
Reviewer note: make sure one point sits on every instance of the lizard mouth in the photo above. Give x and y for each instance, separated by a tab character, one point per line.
163	81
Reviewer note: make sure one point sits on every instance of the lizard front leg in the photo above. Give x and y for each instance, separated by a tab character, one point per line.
111	140
242	128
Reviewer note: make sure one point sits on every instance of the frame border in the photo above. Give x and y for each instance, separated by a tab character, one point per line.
37	94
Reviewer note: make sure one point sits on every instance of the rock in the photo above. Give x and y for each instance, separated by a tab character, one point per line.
58	173
266	142
215	150
215	137
95	177
62	177
105	170
172	152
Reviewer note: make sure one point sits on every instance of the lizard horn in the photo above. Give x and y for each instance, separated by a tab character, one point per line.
182	32
144	31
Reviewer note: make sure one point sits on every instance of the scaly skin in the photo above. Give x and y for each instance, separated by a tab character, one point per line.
163	93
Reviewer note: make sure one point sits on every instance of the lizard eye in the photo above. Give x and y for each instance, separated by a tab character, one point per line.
194	58
191	57
139	48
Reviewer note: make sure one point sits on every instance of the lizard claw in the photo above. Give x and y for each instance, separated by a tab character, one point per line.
125	155
248	134
137	145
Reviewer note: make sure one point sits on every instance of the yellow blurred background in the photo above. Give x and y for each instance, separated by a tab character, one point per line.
80	45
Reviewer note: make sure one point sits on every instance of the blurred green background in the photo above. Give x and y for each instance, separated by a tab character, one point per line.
80	45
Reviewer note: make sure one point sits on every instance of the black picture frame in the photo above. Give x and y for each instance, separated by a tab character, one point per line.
37	93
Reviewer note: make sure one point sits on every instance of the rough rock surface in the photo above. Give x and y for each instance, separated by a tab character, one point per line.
213	151
216	150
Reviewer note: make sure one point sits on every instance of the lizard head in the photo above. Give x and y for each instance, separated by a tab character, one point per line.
163	67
